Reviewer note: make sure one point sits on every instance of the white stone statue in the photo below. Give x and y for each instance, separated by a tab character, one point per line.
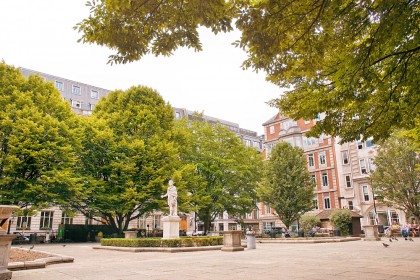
172	195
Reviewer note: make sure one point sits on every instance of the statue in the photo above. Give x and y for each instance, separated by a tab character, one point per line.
172	195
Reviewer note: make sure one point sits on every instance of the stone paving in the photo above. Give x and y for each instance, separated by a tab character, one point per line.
339	260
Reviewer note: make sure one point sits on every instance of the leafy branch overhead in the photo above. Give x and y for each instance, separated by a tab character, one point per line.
357	61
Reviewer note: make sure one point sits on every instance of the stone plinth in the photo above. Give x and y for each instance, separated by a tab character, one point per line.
5	244
130	234
170	227
250	241
371	233
232	241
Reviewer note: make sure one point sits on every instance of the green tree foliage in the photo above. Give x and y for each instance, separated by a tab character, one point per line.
226	171
396	180
341	219
357	61
38	142
307	222
128	156
287	186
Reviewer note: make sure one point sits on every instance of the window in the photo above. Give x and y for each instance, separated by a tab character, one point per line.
24	222
345	157
91	106
315	202
363	169
46	220
177	115
322	158
347	178
267	209
66	220
365	193
59	85
351	207
313	177
327	204
311	161
232	226
142	222
76	104
156	221
257	144
359	144
271	129
268	225
394	217
287	124
94	94
221	227
75	90
324	179
309	141
254	214
372	165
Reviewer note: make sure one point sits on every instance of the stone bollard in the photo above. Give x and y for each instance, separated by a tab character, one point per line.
250	241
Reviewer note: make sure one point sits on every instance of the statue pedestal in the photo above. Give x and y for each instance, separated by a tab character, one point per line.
171	227
232	241
5	244
371	233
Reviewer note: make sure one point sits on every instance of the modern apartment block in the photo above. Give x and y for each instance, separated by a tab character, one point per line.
82	97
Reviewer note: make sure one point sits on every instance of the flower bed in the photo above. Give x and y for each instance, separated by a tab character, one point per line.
159	242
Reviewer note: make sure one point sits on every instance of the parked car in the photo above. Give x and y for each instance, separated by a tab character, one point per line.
20	239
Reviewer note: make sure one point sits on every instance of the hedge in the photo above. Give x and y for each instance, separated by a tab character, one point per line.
159	242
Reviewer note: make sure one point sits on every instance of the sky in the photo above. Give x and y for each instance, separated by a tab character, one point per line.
39	35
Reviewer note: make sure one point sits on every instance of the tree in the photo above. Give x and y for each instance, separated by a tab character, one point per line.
287	186
341	219
38	142
226	171
307	222
355	61
395	180
128	156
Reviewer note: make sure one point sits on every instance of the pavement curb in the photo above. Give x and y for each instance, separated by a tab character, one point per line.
38	263
160	249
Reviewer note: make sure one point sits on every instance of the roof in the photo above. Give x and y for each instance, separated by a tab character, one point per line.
272	119
325	214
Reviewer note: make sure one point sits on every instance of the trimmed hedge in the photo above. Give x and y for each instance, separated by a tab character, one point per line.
159	242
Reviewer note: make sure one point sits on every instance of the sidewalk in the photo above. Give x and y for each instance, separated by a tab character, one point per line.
340	260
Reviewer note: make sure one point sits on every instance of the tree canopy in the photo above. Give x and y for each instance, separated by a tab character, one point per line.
396	180
287	185
226	171
39	142
357	61
128	156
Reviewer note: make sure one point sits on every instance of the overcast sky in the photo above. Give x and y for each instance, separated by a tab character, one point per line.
39	35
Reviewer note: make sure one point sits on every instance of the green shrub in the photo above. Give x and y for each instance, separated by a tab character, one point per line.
159	242
341	219
307	222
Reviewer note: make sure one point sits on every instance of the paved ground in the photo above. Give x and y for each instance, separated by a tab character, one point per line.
347	260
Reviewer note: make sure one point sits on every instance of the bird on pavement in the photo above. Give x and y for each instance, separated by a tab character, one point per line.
390	240
411	239
31	247
64	245
385	245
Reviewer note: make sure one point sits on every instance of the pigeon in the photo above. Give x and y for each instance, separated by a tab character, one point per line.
411	239
390	240
395	239
385	245
31	247
406	238
64	245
